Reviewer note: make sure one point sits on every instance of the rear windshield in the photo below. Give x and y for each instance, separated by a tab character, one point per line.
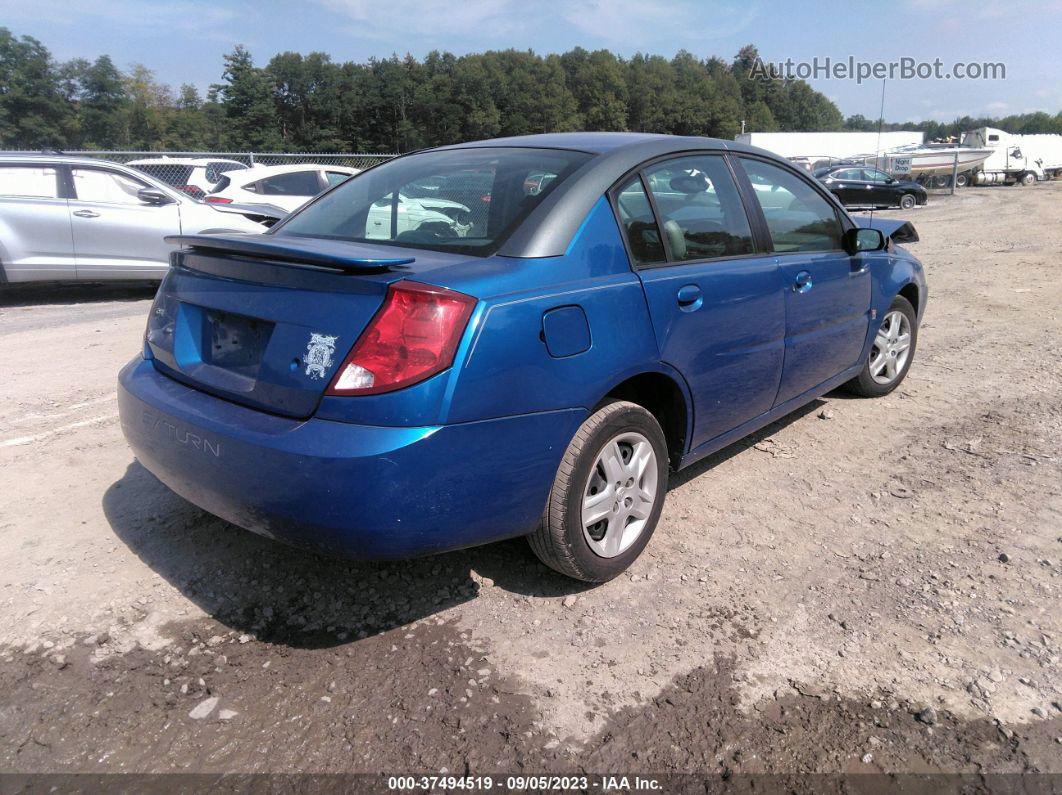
461	200
171	174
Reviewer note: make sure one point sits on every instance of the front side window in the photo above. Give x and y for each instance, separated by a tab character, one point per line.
700	210
29	181
639	223
798	217
872	175
461	200
296	183
110	187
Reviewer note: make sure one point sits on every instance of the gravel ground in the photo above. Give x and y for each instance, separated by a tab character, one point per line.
866	585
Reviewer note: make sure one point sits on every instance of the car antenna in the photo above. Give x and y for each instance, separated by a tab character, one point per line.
877	146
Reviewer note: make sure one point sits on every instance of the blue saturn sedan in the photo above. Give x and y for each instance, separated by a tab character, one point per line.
579	315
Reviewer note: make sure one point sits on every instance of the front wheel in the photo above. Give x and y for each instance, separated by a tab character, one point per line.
1028	179
607	495
891	354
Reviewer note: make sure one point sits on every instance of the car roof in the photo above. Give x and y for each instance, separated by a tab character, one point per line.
183	161
554	222
261	172
52	158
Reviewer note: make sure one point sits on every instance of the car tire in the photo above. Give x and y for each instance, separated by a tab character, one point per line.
617	457
907	201
879	377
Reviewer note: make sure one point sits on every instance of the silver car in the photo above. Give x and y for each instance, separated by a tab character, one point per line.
66	218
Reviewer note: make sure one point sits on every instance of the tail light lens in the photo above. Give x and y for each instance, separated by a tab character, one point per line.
413	336
217	200
192	190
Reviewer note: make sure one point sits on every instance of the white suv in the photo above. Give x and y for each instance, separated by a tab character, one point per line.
195	176
65	218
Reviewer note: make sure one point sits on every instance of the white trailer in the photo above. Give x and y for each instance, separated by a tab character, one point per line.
1016	159
814	146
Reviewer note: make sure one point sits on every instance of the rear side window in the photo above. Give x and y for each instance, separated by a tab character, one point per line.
798	217
335	177
170	173
96	185
29	181
215	170
297	183
700	210
636	216
461	200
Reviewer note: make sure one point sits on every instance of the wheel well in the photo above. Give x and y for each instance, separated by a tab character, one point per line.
662	398
910	292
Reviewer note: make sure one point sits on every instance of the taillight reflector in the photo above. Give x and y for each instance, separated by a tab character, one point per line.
412	337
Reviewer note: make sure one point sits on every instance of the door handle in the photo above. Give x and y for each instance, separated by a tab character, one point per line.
86	214
803	282
689	297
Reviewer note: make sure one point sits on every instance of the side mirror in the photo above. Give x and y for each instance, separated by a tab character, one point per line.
862	239
152	196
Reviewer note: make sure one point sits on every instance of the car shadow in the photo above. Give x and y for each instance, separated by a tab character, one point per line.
299	598
715	459
295	597
68	293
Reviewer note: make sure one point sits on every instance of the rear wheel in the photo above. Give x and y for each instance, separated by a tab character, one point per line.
891	353
907	201
962	180
607	495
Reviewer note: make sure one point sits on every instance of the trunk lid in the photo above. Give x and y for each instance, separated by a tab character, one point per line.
265	321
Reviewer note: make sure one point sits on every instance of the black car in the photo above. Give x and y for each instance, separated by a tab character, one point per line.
860	186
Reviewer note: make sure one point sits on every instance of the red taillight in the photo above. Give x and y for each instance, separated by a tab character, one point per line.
217	200
413	336
193	191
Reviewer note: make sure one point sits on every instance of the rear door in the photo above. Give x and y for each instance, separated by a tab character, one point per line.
716	303
881	190
117	236
35	238
827	296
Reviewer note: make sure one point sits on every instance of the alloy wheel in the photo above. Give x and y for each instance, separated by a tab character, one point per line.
620	494
891	349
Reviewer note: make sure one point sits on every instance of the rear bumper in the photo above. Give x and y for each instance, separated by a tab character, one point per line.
361	491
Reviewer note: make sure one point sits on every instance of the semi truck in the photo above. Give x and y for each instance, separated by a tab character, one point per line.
1016	159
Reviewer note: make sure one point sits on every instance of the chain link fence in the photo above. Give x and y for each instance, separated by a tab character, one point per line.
200	173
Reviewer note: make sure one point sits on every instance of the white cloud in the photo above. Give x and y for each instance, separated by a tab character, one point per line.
622	24
203	18
469	19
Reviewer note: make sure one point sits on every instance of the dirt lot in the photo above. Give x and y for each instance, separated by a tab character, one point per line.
864	586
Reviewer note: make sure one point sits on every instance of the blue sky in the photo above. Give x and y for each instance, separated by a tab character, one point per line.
183	40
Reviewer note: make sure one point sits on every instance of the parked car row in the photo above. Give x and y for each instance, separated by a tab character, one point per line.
64	218
79	218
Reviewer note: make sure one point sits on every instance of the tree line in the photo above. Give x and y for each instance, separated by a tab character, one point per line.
310	103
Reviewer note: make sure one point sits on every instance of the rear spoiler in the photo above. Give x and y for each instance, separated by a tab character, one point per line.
897	230
335	254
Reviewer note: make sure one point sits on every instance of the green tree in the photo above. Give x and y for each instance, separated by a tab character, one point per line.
598	83
34	112
103	106
247	98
